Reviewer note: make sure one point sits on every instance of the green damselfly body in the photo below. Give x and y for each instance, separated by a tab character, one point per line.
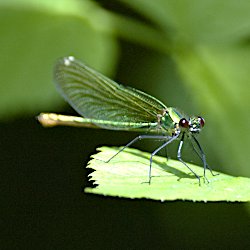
103	103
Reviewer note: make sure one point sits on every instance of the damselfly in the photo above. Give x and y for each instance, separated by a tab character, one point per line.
106	104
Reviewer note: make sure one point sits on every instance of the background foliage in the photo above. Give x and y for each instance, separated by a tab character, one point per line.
193	55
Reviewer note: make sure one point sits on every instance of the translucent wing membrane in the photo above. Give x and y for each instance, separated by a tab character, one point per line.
97	97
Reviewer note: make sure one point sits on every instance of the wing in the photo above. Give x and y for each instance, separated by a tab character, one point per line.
95	96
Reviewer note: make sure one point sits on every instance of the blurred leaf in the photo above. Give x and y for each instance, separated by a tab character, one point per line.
136	31
33	35
206	21
171	180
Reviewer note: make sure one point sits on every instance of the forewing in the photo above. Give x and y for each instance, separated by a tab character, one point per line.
95	96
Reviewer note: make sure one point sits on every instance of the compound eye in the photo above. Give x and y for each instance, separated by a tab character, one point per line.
184	123
201	121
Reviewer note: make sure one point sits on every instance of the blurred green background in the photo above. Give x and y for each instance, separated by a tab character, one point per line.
193	55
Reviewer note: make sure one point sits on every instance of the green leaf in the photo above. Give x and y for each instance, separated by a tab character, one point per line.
126	174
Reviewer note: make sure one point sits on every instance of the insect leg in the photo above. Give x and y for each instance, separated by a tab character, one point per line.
156	151
180	159
138	138
166	151
202	157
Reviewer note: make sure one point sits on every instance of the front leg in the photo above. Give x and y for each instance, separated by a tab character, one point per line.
183	162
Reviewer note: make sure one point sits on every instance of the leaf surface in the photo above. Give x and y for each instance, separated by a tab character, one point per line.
126	176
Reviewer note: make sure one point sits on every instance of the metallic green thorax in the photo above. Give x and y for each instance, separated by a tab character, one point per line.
170	120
